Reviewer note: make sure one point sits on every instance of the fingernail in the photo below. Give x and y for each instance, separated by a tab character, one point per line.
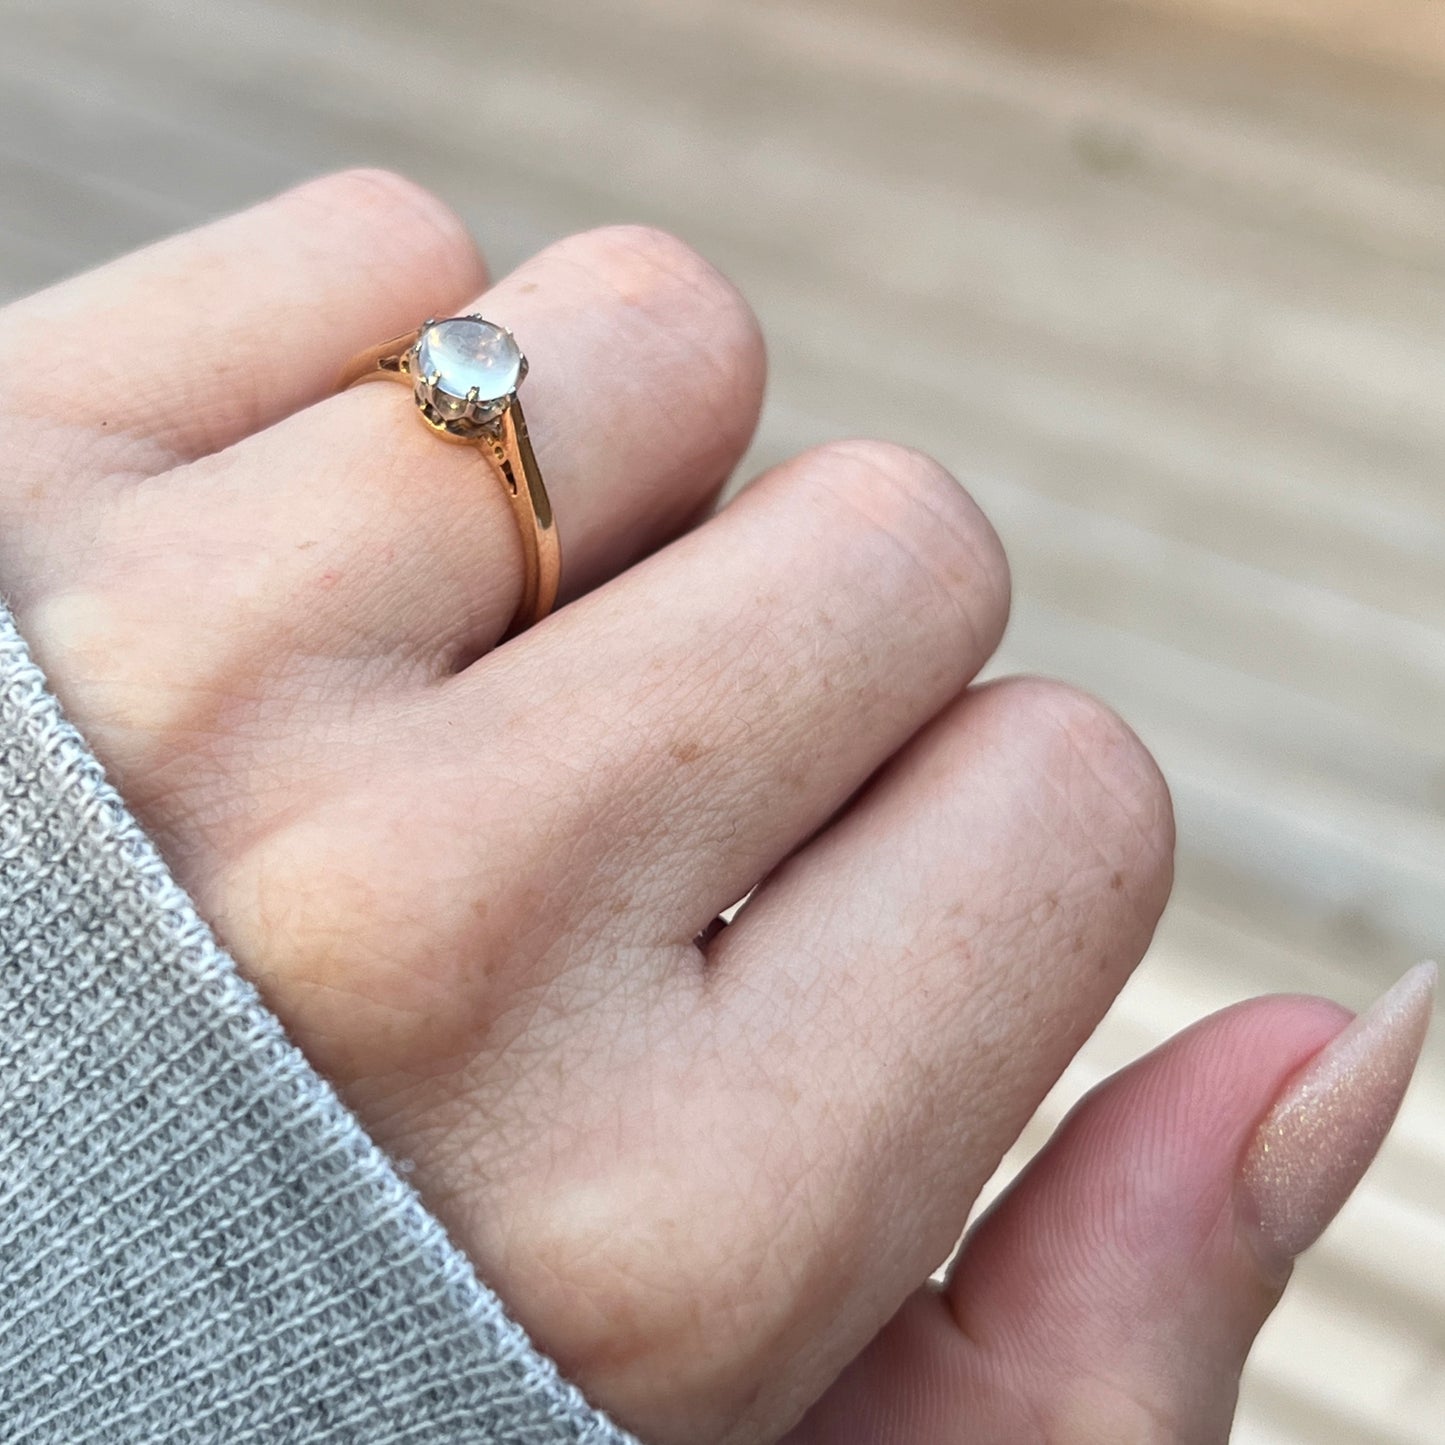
1326	1128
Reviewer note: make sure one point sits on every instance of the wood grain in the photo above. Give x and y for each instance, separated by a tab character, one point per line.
1163	282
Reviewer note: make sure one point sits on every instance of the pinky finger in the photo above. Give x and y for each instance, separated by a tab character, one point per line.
1114	1292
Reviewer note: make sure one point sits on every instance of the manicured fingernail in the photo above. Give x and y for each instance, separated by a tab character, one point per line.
1326	1128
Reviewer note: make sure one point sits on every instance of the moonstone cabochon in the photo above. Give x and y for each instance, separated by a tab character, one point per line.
464	353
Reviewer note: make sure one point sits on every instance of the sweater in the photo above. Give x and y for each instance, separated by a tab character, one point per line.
198	1242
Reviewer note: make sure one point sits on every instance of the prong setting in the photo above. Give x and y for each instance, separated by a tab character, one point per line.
467	371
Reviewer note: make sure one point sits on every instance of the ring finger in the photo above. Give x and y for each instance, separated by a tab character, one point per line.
645	383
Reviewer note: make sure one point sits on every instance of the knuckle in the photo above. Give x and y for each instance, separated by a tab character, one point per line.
666	278
157	710
388	198
1115	787
650	258
930	517
692	321
619	1311
367	983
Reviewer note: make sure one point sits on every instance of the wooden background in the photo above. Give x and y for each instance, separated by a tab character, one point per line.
1164	281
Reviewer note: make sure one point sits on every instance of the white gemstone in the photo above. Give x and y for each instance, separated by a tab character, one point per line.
465	353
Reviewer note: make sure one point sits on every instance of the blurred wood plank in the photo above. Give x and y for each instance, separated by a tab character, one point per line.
1164	282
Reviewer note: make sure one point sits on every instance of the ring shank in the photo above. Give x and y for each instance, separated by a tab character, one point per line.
512	456
509	451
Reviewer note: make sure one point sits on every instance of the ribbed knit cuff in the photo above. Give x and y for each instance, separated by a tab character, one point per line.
197	1240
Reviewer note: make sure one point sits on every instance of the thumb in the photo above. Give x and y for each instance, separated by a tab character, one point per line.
1113	1293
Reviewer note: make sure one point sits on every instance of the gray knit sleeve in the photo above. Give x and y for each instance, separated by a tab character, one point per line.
197	1241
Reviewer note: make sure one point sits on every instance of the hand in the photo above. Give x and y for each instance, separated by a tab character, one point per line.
711	1179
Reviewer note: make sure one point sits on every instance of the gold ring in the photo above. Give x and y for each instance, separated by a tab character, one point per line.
464	372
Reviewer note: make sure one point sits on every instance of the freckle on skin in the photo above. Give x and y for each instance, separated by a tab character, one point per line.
687	752
1116	882
305	546
527	287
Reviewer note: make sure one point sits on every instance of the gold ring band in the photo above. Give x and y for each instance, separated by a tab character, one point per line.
464	372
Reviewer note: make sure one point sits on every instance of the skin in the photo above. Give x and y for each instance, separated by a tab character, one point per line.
711	1181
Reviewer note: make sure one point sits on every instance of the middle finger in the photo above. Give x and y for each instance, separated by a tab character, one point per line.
726	697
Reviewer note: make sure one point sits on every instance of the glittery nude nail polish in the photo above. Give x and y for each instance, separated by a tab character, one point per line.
1327	1126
